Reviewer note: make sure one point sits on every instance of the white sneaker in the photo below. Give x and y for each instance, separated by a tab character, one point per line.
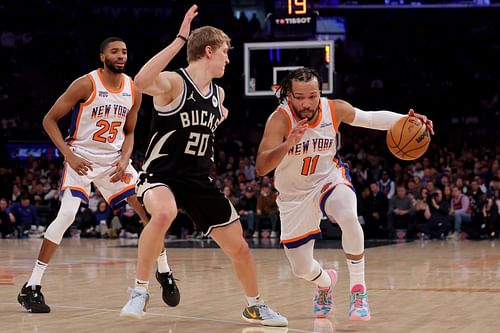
131	235
274	234
135	308
264	315
255	234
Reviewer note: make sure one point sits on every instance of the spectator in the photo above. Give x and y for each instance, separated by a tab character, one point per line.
5	182
460	211
380	205
26	217
365	211
16	193
401	214
422	211
267	209
228	193
244	171
386	185
103	216
131	222
439	223
247	205
7	220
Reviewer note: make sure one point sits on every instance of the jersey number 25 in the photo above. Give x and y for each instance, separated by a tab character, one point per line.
107	132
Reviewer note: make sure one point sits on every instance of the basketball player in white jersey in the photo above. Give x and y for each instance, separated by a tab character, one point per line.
300	142
188	107
104	106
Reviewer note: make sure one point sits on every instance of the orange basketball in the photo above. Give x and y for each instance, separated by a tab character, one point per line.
408	139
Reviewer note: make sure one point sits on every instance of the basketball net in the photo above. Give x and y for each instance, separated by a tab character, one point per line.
275	88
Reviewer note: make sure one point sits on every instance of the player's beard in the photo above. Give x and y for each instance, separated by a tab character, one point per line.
314	113
112	67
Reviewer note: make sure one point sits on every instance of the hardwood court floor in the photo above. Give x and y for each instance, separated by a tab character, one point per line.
431	286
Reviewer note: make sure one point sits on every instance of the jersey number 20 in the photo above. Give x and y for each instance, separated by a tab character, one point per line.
197	144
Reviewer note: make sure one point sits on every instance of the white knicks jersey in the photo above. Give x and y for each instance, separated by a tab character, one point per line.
312	162
97	124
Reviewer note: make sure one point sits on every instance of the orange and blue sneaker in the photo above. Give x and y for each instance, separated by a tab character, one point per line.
323	299
359	308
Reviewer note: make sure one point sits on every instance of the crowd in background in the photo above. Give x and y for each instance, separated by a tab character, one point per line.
446	70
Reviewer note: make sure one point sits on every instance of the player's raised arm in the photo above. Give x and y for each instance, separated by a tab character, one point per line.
149	79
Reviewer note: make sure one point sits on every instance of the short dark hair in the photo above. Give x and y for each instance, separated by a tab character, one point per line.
304	74
108	40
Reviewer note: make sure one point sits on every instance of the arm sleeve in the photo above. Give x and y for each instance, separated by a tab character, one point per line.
380	120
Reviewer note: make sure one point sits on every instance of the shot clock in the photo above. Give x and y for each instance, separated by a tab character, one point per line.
293	19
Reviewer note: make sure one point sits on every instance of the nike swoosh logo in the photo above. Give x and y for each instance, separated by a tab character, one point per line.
252	314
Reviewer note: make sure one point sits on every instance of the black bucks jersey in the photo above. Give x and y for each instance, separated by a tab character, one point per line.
182	133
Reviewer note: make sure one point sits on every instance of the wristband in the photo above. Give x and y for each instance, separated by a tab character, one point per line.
182	37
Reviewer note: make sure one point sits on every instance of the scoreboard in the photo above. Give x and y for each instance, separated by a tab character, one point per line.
294	19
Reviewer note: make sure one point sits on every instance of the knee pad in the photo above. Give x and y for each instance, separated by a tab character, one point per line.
302	261
341	208
65	217
307	272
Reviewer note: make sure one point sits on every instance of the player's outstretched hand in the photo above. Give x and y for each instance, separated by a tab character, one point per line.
188	18
424	119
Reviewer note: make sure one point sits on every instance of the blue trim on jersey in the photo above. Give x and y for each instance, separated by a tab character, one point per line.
326	195
72	125
120	204
115	203
346	167
293	245
324	198
76	194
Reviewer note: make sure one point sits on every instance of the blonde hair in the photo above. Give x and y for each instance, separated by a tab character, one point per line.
202	37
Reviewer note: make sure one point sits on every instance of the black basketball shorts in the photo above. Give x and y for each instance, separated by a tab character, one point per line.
205	204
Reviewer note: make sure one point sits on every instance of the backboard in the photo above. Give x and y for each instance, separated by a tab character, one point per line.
266	64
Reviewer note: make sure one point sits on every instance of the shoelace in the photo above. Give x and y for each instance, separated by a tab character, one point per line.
171	280
134	295
323	297
266	312
36	296
357	299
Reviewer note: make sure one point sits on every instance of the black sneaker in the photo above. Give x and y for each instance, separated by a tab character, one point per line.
170	292
31	298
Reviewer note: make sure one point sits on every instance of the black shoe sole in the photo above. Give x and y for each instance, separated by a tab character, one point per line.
31	310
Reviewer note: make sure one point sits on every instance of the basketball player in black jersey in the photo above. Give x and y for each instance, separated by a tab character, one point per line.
188	107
